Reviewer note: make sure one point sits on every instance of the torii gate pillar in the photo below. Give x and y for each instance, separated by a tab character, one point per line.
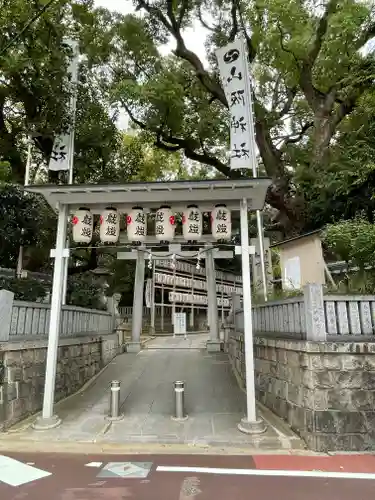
135	344
213	344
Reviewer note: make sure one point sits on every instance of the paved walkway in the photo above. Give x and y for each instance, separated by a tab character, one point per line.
214	402
192	341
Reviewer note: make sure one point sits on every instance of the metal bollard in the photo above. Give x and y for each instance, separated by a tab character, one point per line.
179	393
114	402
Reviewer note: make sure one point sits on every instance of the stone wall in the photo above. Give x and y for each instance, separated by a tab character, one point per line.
22	371
325	391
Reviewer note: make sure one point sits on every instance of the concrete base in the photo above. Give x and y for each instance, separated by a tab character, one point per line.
183	419
257	427
214	346
43	424
133	347
116	419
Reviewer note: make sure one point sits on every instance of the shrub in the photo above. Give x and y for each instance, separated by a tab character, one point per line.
27	289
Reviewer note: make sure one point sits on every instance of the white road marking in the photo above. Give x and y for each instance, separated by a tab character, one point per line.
94	464
268	472
15	473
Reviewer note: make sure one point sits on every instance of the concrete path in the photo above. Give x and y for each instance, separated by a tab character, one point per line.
214	402
192	341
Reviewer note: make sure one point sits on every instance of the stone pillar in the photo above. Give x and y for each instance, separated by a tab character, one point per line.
236	306
314	312
6	308
214	344
112	307
135	344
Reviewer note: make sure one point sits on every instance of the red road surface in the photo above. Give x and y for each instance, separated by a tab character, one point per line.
71	480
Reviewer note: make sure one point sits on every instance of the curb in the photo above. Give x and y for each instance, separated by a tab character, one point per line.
86	448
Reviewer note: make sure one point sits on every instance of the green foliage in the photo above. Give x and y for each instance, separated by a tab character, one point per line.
309	72
352	241
298	79
25	220
277	294
121	280
314	106
85	290
26	289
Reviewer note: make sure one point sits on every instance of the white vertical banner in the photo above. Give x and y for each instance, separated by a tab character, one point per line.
235	79
63	146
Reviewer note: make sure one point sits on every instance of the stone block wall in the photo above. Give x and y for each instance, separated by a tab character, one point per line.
22	372
325	391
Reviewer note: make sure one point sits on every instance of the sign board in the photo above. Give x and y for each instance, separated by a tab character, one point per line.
256	263
186	267
148	293
292	274
182	282
179	324
189	298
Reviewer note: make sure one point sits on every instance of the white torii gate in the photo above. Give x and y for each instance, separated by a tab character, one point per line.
238	195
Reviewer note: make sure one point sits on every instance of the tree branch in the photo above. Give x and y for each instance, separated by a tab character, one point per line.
321	31
251	49
208	82
176	144
169	143
203	23
284	47
182	13
291	94
172	17
142	4
233	13
270	155
366	35
9	146
275	95
298	137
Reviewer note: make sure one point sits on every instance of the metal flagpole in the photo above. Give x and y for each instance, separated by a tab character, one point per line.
174	294
26	183
73	106
254	166
222	301
152	319
65	278
192	301
162	308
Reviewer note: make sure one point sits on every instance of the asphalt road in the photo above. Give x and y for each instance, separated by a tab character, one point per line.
71	479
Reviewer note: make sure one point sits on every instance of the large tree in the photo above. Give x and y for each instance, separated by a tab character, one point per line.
310	74
312	83
35	89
